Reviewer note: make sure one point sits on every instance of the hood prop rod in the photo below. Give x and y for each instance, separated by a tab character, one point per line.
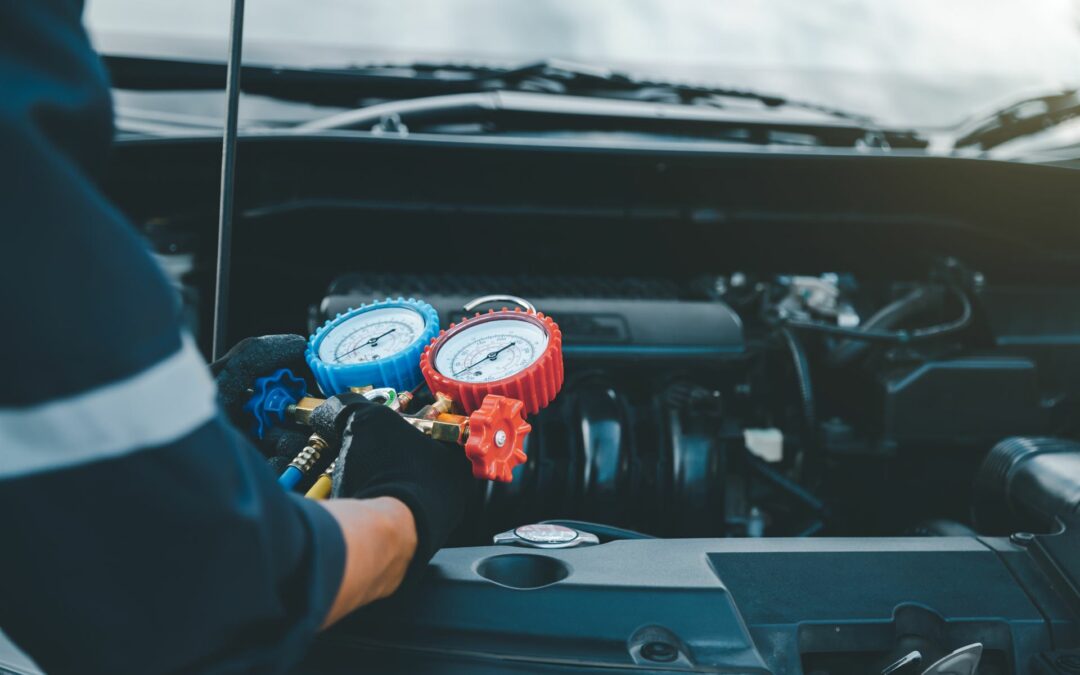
228	180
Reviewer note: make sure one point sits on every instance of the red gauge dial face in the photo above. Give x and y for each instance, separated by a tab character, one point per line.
491	349
509	353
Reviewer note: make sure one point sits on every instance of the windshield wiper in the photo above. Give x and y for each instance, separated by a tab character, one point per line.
354	85
344	86
1025	118
556	76
448	92
515	111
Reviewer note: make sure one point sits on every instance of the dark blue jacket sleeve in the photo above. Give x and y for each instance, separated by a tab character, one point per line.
185	558
139	532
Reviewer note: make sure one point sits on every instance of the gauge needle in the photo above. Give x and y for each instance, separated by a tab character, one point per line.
367	343
490	357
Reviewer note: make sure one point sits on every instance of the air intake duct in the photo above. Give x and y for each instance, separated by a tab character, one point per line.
1029	484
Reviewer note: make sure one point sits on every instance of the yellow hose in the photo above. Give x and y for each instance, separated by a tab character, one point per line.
321	488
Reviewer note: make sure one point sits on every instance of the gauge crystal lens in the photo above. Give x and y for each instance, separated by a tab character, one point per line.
491	350
371	336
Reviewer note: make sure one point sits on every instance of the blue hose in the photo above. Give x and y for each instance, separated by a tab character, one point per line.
290	477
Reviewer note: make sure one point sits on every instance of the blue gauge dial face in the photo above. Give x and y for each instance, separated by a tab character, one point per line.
491	350
371	336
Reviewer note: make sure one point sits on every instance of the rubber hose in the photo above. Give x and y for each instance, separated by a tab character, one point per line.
806	399
1029	483
888	317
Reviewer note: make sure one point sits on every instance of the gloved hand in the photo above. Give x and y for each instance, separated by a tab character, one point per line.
247	361
383	456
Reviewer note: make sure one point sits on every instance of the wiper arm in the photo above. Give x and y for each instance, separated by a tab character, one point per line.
338	87
516	110
557	76
346	87
1025	118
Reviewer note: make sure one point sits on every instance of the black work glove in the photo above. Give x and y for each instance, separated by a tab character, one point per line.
281	445
383	456
247	361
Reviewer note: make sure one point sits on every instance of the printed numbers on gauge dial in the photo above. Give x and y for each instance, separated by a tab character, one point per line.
492	350
372	335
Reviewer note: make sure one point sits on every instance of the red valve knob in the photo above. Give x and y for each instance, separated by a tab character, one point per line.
497	431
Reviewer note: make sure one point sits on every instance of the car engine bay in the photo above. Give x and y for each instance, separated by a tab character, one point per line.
681	416
825	380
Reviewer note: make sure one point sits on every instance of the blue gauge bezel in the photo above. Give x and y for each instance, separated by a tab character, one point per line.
400	371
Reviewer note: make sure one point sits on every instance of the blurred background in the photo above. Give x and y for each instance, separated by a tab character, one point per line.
917	63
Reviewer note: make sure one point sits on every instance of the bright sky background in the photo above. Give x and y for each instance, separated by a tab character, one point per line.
905	61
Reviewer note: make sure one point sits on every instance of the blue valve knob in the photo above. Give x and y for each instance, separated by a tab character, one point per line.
272	398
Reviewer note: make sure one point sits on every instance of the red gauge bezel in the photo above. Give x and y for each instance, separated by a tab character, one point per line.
535	386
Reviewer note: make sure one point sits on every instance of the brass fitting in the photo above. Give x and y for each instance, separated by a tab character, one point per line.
330	469
450	428
442	405
307	458
434	420
404	398
302	409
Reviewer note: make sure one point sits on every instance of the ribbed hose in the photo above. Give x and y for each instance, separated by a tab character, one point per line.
1028	483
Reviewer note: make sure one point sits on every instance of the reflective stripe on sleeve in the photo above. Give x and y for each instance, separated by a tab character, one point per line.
155	407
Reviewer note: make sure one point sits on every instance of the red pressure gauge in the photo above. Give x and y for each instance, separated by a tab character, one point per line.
515	353
512	353
496	366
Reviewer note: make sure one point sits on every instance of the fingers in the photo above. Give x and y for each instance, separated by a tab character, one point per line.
260	356
249	360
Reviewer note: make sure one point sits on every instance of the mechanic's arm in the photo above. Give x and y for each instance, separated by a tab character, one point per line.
409	494
371	572
399	493
141	533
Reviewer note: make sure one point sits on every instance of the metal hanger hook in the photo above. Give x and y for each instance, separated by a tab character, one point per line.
483	300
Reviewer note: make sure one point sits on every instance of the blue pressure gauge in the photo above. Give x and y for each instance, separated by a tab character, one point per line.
377	345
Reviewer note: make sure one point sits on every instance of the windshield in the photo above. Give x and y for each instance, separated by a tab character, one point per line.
921	63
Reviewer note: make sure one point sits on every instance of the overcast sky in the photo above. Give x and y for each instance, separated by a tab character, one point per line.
865	54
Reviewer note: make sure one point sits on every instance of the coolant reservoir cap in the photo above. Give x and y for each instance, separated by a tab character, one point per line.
543	533
546	535
376	345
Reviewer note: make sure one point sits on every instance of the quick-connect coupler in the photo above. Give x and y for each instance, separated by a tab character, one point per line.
304	462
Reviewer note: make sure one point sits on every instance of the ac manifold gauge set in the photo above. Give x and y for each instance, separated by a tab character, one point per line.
482	376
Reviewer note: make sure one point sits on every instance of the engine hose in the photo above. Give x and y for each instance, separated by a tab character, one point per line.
806	398
942	527
603	532
811	529
886	318
786	484
1029	483
893	336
